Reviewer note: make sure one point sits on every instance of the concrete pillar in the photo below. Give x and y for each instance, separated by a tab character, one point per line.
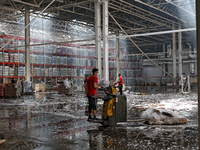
117	54
174	52
198	60
180	53
105	41
27	42
164	50
98	37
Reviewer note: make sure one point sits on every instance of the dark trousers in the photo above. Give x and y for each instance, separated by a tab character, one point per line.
120	89
92	104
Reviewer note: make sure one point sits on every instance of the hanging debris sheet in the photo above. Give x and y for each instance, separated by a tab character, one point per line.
162	116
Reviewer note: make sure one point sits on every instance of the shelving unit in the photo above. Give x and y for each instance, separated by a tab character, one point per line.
50	63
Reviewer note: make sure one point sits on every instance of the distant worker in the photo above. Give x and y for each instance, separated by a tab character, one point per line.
92	86
120	84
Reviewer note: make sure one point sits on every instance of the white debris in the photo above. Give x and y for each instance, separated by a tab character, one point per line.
162	116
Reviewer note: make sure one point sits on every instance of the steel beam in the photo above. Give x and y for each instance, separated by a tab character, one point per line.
98	36
174	51
154	33
117	54
19	1
105	41
198	61
27	43
164	50
180	52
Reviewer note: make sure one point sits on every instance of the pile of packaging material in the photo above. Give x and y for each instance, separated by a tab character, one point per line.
27	87
162	116
14	89
65	87
40	87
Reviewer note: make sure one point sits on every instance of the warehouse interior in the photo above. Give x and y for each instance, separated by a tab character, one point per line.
48	47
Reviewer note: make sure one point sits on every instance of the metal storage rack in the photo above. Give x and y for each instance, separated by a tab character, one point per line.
54	62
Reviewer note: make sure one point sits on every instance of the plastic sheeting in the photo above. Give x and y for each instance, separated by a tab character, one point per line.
67	84
162	116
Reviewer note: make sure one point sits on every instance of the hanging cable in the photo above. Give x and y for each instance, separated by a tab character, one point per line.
138	46
27	24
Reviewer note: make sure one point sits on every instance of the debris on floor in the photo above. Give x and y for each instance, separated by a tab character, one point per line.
162	116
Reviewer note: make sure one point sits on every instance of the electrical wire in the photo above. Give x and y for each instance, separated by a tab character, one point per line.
27	24
139	47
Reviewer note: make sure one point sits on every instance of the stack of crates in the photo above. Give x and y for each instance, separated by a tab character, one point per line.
1	91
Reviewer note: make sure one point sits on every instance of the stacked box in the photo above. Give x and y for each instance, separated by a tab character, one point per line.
1	70
21	71
21	58
38	71
54	60
68	71
62	89
13	90
6	71
69	50
58	60
37	59
11	71
63	72
54	71
34	71
40	87
46	71
16	58
50	72
1	57
34	59
41	59
1	91
42	71
58	71
6	57
50	60
11	57
27	86
45	59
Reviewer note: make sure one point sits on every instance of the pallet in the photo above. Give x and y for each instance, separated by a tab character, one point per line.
28	93
68	94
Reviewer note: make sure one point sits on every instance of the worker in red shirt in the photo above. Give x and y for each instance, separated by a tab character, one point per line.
92	86
120	84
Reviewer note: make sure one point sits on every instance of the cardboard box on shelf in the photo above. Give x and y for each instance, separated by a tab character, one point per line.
12	92
40	87
62	89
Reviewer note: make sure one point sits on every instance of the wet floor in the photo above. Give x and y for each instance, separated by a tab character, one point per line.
49	121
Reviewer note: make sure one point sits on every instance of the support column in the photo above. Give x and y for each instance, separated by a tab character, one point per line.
117	54
105	41
98	37
27	43
164	50
174	52
180	53
198	60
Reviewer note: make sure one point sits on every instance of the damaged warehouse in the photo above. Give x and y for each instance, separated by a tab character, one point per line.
93	74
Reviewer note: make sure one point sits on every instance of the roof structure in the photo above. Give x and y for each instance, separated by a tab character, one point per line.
135	17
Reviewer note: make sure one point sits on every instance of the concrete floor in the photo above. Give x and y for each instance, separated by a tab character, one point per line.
49	121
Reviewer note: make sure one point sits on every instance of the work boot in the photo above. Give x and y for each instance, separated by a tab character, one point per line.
90	118
95	118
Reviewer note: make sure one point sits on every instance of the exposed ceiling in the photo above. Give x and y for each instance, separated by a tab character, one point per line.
135	16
